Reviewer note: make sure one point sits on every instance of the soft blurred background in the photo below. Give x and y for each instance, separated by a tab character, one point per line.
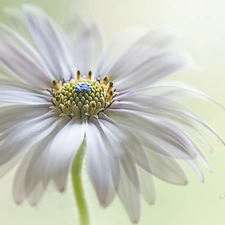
202	24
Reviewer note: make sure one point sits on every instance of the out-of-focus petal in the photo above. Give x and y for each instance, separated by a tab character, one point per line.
88	46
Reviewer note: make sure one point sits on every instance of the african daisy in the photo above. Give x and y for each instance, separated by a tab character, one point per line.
70	92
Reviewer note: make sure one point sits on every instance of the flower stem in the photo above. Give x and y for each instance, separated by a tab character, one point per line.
76	175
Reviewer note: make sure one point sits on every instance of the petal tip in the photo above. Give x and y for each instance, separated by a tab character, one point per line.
18	202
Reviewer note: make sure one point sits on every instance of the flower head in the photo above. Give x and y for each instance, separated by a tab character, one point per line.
68	89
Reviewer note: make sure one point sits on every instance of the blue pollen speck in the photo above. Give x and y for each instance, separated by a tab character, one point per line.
83	87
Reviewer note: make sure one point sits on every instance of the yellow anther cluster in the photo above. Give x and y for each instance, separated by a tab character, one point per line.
82	97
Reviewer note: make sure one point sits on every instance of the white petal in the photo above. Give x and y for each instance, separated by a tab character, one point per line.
5	168
180	87
38	171
159	145
19	183
23	65
17	21
8	34
13	94
99	172
73	26
15	84
130	197
199	95
35	171
155	143
44	165
64	147
37	193
153	70
19	193
13	115
130	141
173	138
166	168
51	42
87	48
194	166
147	186
110	158
145	48
124	39
167	109
125	157
169	150
25	135
164	130
14	39
170	165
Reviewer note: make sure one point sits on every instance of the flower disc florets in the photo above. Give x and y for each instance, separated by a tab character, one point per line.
82	97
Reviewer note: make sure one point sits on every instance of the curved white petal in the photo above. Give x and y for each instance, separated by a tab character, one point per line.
9	35
35	170
126	159
51	42
38	173
129	140
97	169
26	134
110	158
123	40
12	94
17	21
162	107
166	108
166	168
181	90
145	48
129	196
6	167
16	114
23	65
64	147
163	129
158	161
167	149
153	70
19	193
31	179
147	186
128	188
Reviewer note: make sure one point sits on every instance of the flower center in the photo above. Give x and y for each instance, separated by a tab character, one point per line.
82	97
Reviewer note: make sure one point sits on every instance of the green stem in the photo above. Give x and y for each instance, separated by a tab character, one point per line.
76	175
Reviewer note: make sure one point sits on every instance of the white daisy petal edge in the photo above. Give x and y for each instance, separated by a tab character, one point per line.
69	88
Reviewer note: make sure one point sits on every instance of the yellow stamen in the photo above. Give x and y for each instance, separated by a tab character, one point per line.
78	74
55	85
89	75
110	85
109	95
105	80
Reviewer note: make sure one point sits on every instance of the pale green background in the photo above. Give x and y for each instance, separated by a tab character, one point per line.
202	23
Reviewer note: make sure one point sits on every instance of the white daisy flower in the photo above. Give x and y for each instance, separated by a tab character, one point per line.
69	90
